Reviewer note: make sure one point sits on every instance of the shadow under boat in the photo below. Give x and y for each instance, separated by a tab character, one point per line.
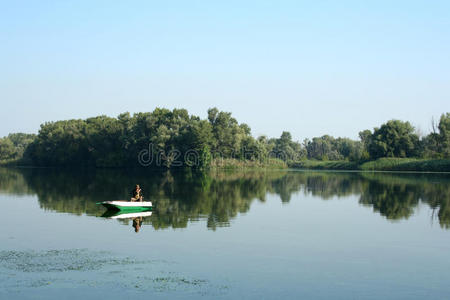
136	216
114	214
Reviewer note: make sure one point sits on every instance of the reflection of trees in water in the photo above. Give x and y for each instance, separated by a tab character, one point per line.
396	195
328	185
217	196
186	196
73	191
179	197
390	200
13	182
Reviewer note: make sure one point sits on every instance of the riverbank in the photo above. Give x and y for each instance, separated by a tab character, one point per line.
382	164
224	163
248	164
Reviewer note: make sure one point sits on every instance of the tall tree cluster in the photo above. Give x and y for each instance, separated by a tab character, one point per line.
165	137
173	138
13	146
398	139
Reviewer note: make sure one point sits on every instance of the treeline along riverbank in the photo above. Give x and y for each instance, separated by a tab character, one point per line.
174	138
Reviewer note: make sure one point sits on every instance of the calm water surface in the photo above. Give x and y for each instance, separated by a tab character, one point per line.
273	234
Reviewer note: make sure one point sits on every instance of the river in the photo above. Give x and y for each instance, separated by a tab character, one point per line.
243	234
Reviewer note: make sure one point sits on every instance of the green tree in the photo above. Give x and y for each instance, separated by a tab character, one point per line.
14	146
7	149
444	135
228	134
393	139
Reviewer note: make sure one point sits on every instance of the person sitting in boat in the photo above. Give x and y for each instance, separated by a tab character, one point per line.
137	194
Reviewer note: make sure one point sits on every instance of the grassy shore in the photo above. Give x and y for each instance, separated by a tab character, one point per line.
248	164
408	164
324	165
382	164
10	163
226	163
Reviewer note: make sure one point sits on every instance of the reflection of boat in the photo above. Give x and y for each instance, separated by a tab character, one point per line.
125	215
127	205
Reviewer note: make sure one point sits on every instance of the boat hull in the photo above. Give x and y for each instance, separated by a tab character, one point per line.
127	205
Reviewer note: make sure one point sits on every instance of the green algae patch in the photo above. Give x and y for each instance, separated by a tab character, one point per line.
25	271
60	260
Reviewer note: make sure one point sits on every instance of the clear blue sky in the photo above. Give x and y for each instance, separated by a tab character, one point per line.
309	67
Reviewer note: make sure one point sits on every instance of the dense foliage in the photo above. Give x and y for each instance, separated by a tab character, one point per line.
160	138
175	138
14	145
393	139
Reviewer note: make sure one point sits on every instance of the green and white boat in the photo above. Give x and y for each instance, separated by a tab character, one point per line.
127	205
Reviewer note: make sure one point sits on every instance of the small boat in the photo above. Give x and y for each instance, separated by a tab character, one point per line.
126	215
127	205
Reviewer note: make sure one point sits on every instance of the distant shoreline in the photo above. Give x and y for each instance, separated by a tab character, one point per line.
382	164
